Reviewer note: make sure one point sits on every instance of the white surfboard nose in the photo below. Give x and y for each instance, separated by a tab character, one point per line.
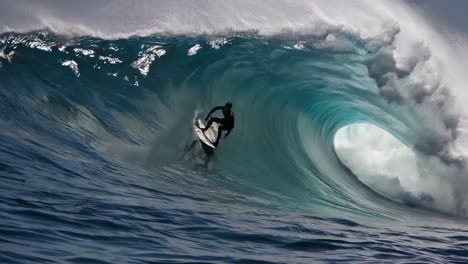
208	137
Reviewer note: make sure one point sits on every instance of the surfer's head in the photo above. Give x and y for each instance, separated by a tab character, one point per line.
228	105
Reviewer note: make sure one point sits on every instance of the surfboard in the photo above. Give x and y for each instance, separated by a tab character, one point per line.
209	137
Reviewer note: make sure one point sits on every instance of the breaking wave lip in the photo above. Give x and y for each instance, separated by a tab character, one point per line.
411	97
203	17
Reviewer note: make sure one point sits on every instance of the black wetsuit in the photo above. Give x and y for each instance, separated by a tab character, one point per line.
226	123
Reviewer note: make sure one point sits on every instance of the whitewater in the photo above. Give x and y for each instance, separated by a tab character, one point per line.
350	142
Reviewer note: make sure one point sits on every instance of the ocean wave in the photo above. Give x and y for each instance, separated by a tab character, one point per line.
302	98
350	132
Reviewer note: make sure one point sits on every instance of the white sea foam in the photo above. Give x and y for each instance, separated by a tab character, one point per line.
299	46
73	66
193	50
113	48
110	59
40	45
7	56
395	170
85	52
218	43
334	44
62	48
147	57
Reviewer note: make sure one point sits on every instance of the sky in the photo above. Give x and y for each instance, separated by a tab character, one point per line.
453	13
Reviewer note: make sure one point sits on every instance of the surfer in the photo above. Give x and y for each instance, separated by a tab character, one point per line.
226	123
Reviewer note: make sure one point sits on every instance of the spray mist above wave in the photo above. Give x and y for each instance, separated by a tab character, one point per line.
120	19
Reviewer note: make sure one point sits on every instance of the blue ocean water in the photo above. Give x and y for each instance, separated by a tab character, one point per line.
99	162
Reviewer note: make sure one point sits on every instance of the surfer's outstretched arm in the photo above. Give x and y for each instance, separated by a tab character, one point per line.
212	111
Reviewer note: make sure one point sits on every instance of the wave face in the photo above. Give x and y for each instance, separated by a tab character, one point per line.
339	122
